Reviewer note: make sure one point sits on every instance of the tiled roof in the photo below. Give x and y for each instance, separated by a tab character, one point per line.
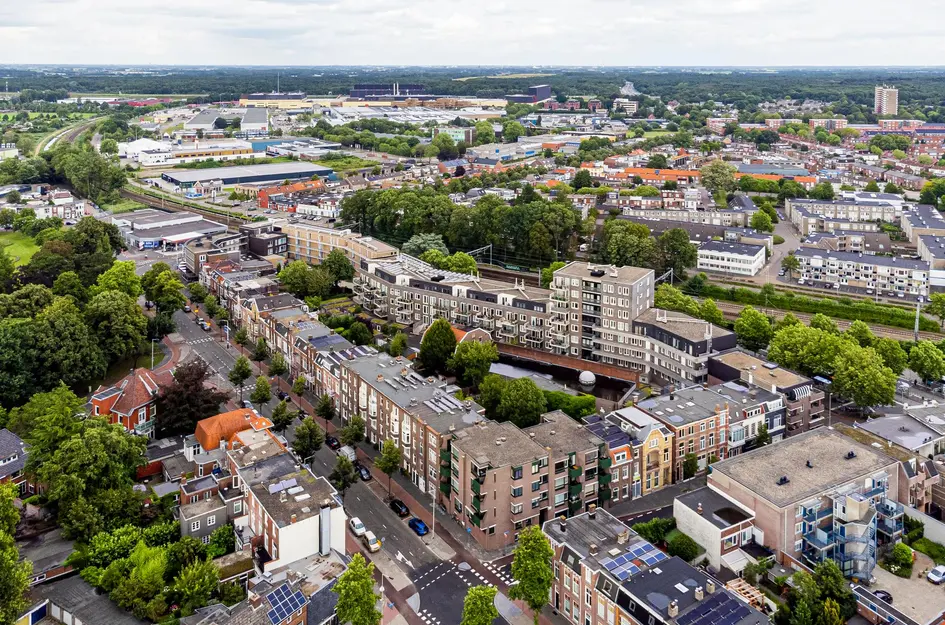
11	445
227	425
137	389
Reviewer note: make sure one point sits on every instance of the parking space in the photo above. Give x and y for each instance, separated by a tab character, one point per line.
915	597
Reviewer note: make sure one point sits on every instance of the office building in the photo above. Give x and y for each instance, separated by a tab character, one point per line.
888	274
885	100
466	134
275	172
817	496
740	259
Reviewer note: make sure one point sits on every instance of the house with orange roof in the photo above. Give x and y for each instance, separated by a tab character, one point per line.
268	195
226	430
659	176
132	402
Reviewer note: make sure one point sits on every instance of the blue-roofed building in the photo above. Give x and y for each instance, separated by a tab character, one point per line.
606	573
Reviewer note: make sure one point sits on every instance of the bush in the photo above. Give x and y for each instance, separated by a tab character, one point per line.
914	535
778	239
684	547
655	530
900	556
931	549
575	406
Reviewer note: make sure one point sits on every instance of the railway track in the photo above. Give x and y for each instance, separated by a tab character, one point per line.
175	205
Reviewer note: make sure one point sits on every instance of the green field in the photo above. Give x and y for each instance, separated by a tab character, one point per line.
124	205
347	163
655	133
19	246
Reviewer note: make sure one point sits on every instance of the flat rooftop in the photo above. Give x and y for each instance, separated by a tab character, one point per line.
579	269
274	171
903	430
743	249
296	494
680	324
862	259
716	507
562	434
683	406
498	445
761	469
763	373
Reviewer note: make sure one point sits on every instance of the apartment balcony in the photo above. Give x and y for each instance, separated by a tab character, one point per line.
604	479
574	472
405	299
558	297
890	509
820	540
815	516
574	507
875	491
476	486
461	317
604	494
891	528
559	321
605	462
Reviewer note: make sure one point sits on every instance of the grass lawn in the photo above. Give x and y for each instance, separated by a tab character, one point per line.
347	163
124	205
655	133
19	246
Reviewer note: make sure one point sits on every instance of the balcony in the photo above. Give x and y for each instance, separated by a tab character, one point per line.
604	494
875	491
820	540
574	490
890	508
815	516
445	487
890	527
604	479
476	486
574	472
605	462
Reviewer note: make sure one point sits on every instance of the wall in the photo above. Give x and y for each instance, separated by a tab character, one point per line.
706	535
610	371
296	541
934	530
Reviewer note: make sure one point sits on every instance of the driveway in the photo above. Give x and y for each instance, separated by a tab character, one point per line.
915	597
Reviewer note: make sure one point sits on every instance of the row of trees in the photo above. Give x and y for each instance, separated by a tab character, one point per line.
304	281
626	243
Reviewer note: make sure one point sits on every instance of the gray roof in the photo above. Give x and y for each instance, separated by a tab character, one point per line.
281	505
716	507
274	171
924	216
680	324
76	596
867	259
903	430
934	244
582	531
562	434
760	470
45	551
684	406
11	445
742	202
485	447
745	249
198	228
255	115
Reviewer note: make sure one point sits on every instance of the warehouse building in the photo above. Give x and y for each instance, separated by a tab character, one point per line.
150	228
278	172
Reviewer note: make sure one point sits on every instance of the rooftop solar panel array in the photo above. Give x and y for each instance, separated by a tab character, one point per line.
638	556
284	603
720	609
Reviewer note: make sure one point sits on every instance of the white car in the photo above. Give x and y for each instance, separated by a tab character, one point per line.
357	526
937	575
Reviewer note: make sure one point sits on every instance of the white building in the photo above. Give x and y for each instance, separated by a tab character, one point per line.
736	258
887	274
885	100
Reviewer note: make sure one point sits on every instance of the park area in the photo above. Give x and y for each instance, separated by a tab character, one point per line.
19	246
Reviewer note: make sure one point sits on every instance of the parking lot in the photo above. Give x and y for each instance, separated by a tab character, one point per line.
916	597
830	288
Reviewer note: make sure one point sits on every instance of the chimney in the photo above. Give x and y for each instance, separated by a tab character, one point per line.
183	480
282	496
699	594
710	586
623	537
324	528
292	519
593	549
562	523
699	508
673	609
592	511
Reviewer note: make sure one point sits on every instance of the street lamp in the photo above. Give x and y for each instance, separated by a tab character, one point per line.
226	330
153	341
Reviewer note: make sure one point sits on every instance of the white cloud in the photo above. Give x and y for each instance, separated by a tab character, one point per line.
485	32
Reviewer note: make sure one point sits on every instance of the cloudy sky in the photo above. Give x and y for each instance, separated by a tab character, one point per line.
483	32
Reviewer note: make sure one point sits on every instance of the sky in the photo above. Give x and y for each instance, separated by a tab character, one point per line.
483	32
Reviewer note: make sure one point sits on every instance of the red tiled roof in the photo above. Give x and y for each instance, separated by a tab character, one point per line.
137	389
226	425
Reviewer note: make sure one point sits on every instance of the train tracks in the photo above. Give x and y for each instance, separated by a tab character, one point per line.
174	205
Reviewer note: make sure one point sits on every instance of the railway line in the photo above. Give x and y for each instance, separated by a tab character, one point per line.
175	205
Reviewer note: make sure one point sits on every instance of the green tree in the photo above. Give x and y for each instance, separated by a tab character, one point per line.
398	345
690	465
338	266
718	176
72	353
709	311
802	614
763	437
240	372
222	541
196	584
582	179
761	222
936	307
753	329
420	243
352	432
14	574
484	133
790	264
69	284
241	337
167	292
296	278
343	476
437	346
684	547
657	161
786	321
117	322
309	438
547	274
531	568
325	408
512	130
198	292
860	375
871	187
281	417
389	461
357	601
892	188
676	252
119	277
188	398
926	359
260	350
491	390
669	297
471	361
860	333
277	364
892	354
824	323
822	191
262	394
522	403
298	387
358	334
479	606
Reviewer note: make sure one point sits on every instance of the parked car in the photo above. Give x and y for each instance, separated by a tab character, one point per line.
363	472
205	326
302	415
247	403
418	526
187	308
357	527
883	595
371	542
282	395
400	508
348	452
333	443
937	575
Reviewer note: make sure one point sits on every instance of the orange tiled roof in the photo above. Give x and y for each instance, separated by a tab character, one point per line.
226	425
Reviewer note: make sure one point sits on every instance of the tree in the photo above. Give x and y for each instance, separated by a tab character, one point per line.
196	584
71	352
353	431
676	252
358	334
309	438
926	359
718	176
892	354
188	398
277	364
582	180
222	542
262	394
198	292
860	375
753	329
14	574
761	222
297	279
343	475
240	372
149	279
690	465
325	408
338	266
786	321
936	307
69	284
298	386
790	264
547	274
802	614
389	460
167	292
260	350
871	187
831	611
437	346
479	606
684	547
119	277
357	601
512	130
822	322
281	417
892	188
522	403
822	191
860	333
490	393
420	243
484	133
531	568
241	337
117	322
657	161
763	437
471	361
901	556
398	345
709	311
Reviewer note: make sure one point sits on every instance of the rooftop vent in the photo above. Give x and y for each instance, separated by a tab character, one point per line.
783	480
810	465
850	455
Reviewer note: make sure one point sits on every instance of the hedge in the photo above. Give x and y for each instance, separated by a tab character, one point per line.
931	549
575	406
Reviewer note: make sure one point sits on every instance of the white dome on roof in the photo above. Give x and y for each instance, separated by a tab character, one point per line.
587	378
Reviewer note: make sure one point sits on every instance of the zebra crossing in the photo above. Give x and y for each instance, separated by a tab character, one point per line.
502	571
206	339
439	587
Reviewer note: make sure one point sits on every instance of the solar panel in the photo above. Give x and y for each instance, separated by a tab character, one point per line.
273	618
610	565
660	556
623	575
622	560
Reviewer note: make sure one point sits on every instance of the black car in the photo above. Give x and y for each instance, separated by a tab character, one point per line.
333	443
400	508
283	395
302	415
363	472
883	595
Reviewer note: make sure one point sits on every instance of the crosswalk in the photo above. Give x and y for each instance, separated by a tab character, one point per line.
206	339
503	572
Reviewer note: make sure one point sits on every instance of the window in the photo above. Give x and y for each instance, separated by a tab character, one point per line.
516	473
205	539
536	485
195	526
620	457
238	507
517	491
211	520
516	508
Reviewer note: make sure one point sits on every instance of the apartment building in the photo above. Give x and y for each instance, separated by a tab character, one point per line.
409	291
848	241
889	274
132	401
210	249
741	259
817	496
640	449
420	414
922	220
885	100
751	407
811	215
717	125
593	307
778	122
803	403
313	244
699	420
673	347
830	123
499	482
579	460
234	282
728	218
605	573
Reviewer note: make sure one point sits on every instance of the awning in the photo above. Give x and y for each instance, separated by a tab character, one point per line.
737	560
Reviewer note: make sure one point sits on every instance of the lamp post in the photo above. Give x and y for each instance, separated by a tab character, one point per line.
153	341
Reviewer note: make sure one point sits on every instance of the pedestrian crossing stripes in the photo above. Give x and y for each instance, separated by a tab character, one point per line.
207	339
502	572
428	618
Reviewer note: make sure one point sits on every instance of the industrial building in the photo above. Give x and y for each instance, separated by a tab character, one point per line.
186	179
150	228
